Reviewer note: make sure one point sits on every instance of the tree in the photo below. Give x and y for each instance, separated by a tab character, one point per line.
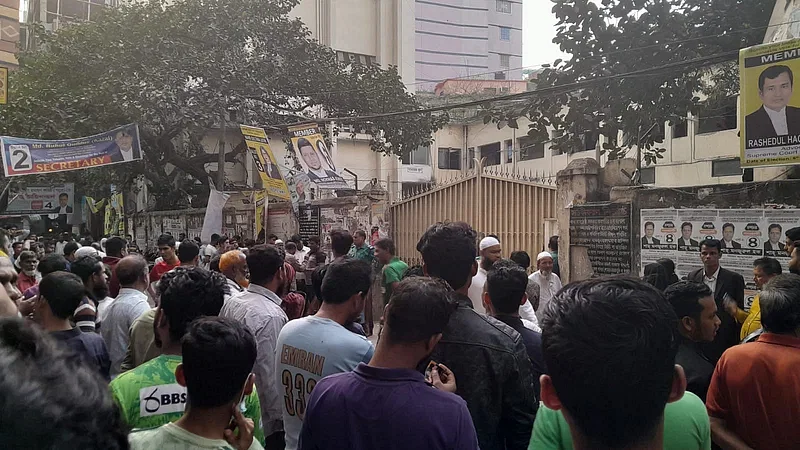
611	37
174	67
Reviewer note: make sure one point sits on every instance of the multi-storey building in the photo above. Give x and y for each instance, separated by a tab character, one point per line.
9	32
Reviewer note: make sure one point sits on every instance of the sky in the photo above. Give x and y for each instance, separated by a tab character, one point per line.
538	30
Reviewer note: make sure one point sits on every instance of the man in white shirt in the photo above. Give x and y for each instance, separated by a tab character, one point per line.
549	283
125	309
259	309
301	253
775	118
209	251
490	252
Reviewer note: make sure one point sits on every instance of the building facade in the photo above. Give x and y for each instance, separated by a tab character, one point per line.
9	32
467	38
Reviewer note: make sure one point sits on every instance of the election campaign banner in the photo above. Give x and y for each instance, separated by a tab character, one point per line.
745	235
260	200
45	200
271	177
32	156
3	85
770	111
309	145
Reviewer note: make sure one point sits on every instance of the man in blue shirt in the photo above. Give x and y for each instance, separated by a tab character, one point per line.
403	411
317	346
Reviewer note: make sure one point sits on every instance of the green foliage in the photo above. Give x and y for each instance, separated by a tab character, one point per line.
174	66
611	37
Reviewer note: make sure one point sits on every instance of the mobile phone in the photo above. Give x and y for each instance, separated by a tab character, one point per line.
241	405
429	370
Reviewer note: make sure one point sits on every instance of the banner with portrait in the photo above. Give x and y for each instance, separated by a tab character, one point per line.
268	169
114	224
745	235
770	111
260	200
315	158
33	156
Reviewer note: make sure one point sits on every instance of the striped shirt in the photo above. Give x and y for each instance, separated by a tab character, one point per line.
85	315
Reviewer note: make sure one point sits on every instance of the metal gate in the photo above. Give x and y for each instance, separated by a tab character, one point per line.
515	208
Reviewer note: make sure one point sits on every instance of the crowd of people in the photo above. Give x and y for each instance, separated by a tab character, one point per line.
225	346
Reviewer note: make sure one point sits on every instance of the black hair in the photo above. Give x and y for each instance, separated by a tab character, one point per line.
414	271
264	261
793	234
361	233
41	409
341	241
218	355
506	282
650	224
553	243
86	266
774	225
420	307
711	243
770	266
303	142
614	322
317	276
115	245
130	269
70	248
685	224
272	236
63	292
188	251
296	238
63	194
656	275
166	239
522	258
668	264
780	304
345	278
449	250
290	246
728	224
14	244
773	72
52	263
213	264
685	296
214	239
188	293
386	244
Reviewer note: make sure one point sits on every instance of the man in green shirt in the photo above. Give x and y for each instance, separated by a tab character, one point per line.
360	249
609	347
218	358
149	395
393	268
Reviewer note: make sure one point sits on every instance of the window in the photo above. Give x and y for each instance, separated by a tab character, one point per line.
505	90
509	145
528	149
490	90
612	138
491	152
647	175
556	135
449	159
680	128
726	168
419	156
723	118
505	61
471	158
589	141
505	34
503	6
355	58
499	75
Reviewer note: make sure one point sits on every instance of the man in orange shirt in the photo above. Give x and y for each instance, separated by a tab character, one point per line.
754	397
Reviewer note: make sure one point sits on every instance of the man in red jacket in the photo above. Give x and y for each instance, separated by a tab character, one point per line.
116	249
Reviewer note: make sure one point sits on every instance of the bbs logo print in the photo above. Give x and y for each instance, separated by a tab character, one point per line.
163	399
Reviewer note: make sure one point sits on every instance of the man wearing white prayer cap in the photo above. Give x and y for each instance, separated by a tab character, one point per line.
490	252
549	283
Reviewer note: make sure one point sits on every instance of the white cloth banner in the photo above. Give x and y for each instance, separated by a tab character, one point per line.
212	223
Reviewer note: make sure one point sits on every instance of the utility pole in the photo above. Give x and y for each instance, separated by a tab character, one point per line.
221	158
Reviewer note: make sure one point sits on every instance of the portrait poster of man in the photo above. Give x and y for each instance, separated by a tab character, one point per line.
126	146
770	108
265	162
312	152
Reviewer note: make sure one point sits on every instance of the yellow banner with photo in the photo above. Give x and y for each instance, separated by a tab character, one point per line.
260	200
769	116
3	85
271	176
314	157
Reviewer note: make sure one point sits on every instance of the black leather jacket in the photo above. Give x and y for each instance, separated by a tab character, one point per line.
493	375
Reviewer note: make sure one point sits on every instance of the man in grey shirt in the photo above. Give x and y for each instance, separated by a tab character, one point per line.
126	308
317	346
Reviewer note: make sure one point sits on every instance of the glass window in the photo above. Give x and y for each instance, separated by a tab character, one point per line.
505	34
528	149
723	118
589	141
509	144
726	168
505	61
421	155
492	153
647	175
449	159
503	6
471	157
680	128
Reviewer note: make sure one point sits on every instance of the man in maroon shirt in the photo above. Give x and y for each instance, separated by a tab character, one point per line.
754	397
116	249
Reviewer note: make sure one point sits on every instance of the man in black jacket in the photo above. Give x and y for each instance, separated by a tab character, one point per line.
487	356
723	283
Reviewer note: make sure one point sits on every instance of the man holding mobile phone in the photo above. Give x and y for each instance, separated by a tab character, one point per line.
214	349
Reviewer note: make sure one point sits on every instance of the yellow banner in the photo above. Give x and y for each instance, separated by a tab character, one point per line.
314	156
260	199
114	224
93	205
271	177
3	85
769	116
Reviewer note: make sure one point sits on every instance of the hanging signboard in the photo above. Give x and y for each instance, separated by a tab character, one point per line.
271	177
314	157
